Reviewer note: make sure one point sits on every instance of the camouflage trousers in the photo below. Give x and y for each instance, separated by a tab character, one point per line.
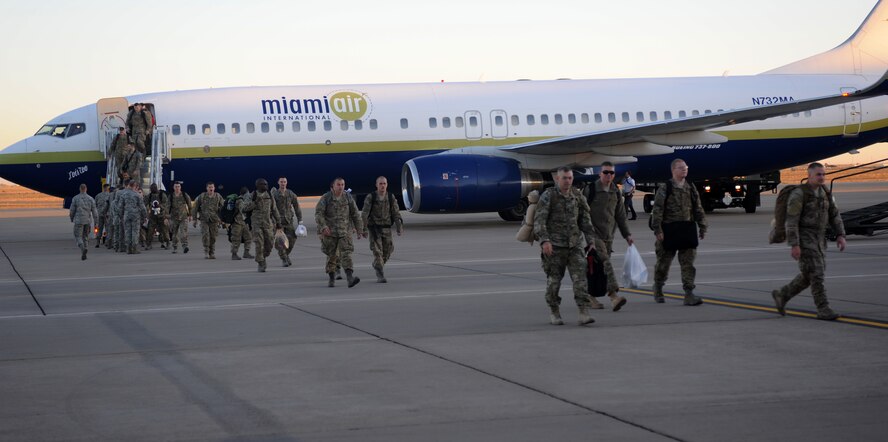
157	224
139	140
604	250
208	233
812	267
111	241
81	235
574	261
339	252
263	237
120	241
102	226
686	259
177	229
290	231
131	229
381	245
240	233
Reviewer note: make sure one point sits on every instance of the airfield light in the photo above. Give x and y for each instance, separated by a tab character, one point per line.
707	188
737	187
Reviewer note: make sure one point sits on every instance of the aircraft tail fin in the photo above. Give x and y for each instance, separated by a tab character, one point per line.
864	53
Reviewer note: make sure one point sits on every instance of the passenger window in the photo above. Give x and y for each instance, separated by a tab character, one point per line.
177	129
807	114
220	128
611	117
682	114
559	119
191	129
445	122
695	113
328	126
251	127
404	124
515	120
544	119
625	116
639	116
359	124
311	126
667	115
264	128
235	128
279	126
571	118
707	111
433	122
795	115
473	121
205	129
373	124
75	129
458	121
343	125
598	118
653	116
530	120
498	120
296	126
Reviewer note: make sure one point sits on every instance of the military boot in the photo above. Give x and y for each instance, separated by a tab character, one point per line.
247	255
285	262
779	302
658	294
97	244
185	249
584	316
83	254
332	282
616	301
175	249
595	305
555	316
826	314
690	299
262	267
352	279
380	277
234	256
338	273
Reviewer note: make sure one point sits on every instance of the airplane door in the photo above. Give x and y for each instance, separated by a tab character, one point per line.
111	115
499	124
474	130
853	117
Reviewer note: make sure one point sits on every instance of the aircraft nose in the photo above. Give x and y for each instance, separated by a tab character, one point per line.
11	157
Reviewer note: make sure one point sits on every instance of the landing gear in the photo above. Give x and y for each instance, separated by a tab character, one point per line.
515	213
751	200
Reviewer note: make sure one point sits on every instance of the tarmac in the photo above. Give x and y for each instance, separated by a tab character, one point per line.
456	346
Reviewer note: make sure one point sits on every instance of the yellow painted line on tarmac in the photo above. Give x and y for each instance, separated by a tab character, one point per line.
802	314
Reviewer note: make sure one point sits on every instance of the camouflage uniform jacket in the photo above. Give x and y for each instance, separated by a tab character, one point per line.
83	210
207	207
133	165
103	201
563	220
240	209
118	145
336	213
163	204
381	212
287	205
265	211
608	211
133	206
180	206
115	210
808	212
680	207
140	123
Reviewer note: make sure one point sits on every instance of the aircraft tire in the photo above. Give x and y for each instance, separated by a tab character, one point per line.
515	213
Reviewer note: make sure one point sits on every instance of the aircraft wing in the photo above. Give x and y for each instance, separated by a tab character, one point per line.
656	138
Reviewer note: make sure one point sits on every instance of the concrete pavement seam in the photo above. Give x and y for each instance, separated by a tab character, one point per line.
23	281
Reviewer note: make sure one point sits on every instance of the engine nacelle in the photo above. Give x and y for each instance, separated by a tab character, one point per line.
459	183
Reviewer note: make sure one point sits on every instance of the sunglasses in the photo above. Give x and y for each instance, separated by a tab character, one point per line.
608	172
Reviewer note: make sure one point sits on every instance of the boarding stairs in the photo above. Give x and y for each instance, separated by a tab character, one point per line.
152	166
866	221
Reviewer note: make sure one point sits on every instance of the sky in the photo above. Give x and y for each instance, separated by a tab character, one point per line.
59	55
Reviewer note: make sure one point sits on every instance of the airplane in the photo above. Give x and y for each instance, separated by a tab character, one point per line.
482	147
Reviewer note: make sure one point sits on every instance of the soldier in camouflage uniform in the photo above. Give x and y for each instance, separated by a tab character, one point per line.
379	215
265	219
180	214
336	213
139	122
239	230
809	210
608	212
131	164
288	207
562	224
158	217
134	215
117	218
103	200
84	215
206	207
112	222
683	205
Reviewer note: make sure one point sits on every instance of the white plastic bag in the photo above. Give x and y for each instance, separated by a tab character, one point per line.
635	273
301	230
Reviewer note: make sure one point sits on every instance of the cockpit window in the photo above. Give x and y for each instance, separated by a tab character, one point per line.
62	130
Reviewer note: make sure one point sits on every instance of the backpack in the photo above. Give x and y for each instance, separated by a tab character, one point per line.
229	209
778	224
694	197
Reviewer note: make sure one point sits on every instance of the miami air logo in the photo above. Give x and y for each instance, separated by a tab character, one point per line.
343	105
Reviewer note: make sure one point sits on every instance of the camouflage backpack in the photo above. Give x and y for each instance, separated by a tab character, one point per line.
778	224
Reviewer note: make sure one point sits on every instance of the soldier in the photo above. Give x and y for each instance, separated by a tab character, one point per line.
677	205
206	207
131	164
118	144
333	214
180	215
158	217
239	231
117	218
84	215
288	207
607	211
628	192
265	219
379	215
809	209
134	215
139	123
103	200
113	222
562	224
